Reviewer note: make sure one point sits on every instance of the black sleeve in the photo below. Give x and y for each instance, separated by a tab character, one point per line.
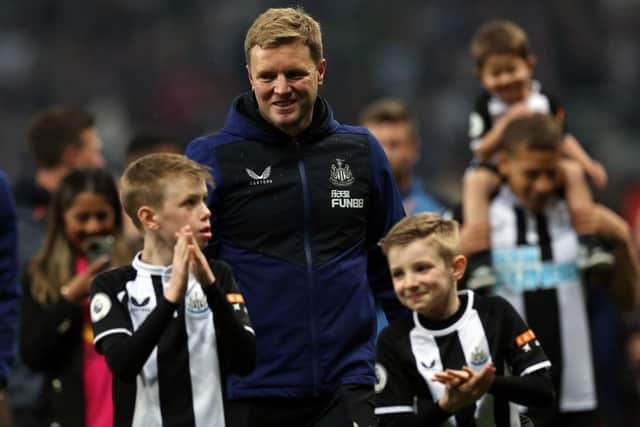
479	120
401	399
234	333
48	332
126	355
535	389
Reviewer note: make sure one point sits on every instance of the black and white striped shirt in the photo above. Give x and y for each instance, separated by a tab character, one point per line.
168	360
535	258
484	330
489	108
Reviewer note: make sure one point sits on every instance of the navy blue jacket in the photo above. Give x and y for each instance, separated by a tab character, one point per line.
9	287
298	219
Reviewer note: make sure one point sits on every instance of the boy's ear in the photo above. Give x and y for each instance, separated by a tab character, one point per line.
532	60
147	217
458	266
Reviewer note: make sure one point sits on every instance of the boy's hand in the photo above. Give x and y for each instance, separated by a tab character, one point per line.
180	266
199	266
597	174
463	387
78	287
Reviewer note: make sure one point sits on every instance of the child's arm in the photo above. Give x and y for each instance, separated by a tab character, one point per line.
236	337
535	389
126	355
126	352
594	169
489	143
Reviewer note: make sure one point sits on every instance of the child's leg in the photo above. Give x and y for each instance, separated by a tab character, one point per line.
478	185
592	254
578	194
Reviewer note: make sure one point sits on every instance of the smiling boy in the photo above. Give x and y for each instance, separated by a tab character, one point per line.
173	323
460	355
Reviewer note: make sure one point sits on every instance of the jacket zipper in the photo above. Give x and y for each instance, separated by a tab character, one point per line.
309	260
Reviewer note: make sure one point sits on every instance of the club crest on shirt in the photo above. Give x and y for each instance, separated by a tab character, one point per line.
341	175
479	357
196	301
381	378
99	307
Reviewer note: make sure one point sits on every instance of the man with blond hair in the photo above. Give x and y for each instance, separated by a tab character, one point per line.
299	205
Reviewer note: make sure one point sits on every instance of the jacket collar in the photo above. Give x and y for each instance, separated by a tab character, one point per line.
244	119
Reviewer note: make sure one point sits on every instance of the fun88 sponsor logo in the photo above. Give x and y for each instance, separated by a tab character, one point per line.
522	269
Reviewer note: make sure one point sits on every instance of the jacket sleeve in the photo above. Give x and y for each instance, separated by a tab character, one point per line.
49	332
200	151
235	335
9	287
385	210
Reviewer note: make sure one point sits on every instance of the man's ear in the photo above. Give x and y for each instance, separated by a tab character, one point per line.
322	68
249	76
147	217
458	266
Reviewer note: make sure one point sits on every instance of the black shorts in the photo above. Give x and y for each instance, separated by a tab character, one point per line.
350	406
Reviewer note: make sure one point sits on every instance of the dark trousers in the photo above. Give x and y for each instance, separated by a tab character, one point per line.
551	418
350	406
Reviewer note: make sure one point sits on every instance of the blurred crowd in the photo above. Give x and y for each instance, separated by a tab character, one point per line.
176	65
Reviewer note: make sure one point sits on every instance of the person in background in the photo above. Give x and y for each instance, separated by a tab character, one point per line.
60	139
299	205
83	237
9	292
534	252
504	66
393	125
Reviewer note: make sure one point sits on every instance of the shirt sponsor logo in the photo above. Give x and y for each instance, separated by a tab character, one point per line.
100	306
341	175
522	269
259	179
343	199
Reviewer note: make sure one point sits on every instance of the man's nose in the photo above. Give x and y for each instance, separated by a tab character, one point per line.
544	184
281	85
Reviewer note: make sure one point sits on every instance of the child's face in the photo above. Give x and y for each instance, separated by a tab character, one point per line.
507	76
185	203
423	281
89	215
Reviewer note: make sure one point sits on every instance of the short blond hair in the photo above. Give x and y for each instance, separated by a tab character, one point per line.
143	181
441	233
279	26
498	37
